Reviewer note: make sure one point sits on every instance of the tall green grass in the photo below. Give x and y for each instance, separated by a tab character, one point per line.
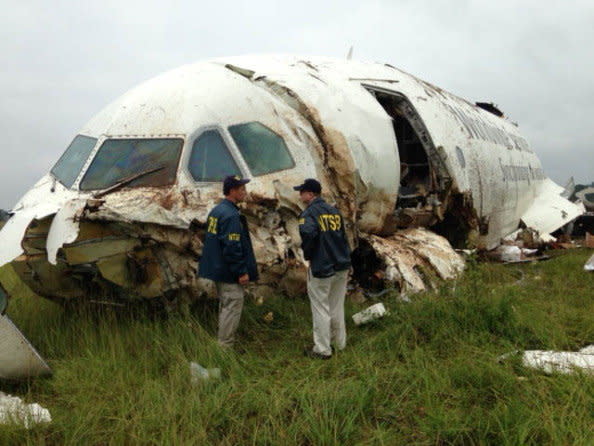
426	374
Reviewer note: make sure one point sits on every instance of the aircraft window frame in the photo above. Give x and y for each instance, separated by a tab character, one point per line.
108	138
239	162
239	149
83	165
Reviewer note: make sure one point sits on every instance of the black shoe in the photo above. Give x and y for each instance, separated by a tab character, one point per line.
308	352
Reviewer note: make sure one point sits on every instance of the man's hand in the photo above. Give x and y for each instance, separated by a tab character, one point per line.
244	279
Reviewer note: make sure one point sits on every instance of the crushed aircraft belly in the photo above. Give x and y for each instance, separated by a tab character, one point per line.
410	257
414	170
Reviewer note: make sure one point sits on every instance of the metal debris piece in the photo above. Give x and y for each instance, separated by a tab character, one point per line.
199	373
561	362
371	313
589	266
14	411
18	358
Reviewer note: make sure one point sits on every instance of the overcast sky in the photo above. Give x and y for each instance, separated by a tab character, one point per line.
63	61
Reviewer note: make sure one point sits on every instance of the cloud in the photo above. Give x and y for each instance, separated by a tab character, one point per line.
63	61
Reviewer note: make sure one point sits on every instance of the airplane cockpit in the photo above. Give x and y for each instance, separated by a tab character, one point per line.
249	149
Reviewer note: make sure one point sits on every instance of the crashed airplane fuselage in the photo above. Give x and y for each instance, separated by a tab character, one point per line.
121	215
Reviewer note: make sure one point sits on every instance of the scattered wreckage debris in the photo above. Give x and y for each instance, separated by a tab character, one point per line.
513	254
199	374
526	245
557	362
564	241
371	313
589	266
13	410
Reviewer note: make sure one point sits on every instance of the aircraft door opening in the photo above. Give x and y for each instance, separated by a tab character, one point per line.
418	195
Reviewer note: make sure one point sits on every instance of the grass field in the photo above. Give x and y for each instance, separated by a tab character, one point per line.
426	374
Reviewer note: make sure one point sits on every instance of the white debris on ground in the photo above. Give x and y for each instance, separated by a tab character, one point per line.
561	362
511	253
589	266
520	246
14	411
200	373
369	314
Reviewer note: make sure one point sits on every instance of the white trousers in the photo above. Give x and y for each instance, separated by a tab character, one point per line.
230	306
326	296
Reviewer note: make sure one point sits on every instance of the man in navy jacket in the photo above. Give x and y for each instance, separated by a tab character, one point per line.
228	257
325	246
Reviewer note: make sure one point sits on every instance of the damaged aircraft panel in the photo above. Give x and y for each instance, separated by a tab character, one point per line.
18	358
413	169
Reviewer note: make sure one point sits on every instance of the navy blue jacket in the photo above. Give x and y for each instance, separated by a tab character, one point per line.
323	239
227	252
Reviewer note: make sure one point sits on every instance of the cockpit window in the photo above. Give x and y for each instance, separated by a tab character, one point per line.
140	162
263	150
73	159
210	159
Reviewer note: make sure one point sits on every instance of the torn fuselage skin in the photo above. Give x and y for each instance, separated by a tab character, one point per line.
394	153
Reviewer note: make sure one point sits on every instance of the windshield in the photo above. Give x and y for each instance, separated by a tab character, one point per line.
72	161
120	159
263	150
210	159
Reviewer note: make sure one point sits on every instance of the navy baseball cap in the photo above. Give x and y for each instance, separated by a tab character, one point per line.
233	181
310	185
